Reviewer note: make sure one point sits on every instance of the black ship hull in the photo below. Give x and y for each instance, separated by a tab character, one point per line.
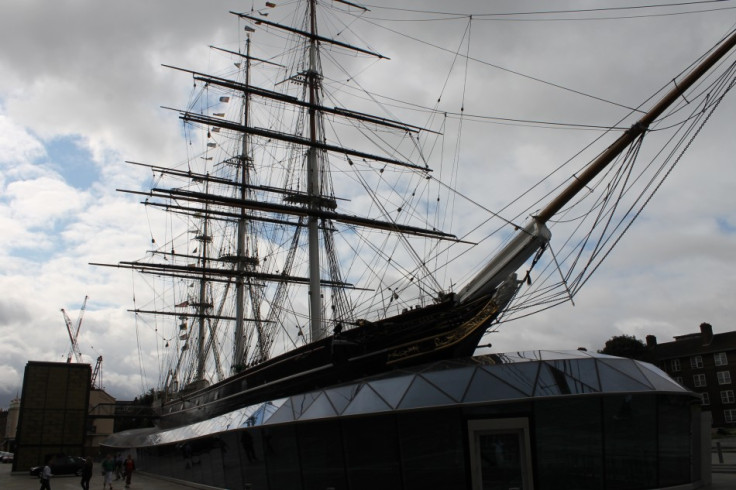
426	334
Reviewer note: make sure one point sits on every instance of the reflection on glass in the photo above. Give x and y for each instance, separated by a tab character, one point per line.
500	455
569	444
630	434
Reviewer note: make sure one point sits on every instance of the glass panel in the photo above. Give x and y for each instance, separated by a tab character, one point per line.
264	412
432	458
341	396
421	393
366	401
551	382
487	387
550	355
320	448
523	376
285	413
583	371
659	379
392	389
569	444
301	403
321	408
674	441
500	457
630	435
454	382
282	457
231	473
614	380
373	465
629	367
252	458
212	466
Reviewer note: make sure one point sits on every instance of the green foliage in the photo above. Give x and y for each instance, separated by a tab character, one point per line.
147	398
625	346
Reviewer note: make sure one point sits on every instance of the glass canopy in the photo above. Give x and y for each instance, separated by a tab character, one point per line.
494	378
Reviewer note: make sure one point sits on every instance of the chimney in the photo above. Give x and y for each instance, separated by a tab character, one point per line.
706	333
651	341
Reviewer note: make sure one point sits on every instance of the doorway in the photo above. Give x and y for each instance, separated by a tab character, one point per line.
500	456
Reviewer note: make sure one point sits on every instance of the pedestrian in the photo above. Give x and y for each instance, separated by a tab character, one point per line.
108	466
45	476
86	472
118	466
128	466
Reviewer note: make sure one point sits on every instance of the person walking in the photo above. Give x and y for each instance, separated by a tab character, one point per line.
118	466
87	472
108	466
128	466
45	476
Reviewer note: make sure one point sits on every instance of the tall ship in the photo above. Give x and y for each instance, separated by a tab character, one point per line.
312	242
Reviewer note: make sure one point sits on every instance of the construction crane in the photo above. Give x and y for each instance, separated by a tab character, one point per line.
97	374
74	333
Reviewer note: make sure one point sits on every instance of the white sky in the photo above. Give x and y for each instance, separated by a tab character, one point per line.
81	90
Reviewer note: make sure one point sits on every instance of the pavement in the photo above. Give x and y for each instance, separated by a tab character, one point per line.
724	478
140	481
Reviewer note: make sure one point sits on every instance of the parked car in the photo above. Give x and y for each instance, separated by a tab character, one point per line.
6	457
61	464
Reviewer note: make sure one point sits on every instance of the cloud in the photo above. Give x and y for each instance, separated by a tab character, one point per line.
84	78
16	144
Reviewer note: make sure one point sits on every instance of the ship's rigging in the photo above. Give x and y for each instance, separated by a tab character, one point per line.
270	207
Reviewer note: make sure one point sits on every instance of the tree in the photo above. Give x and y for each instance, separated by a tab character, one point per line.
625	346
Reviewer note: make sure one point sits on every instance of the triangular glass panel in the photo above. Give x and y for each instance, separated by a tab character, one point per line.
454	382
341	396
422	393
268	409
613	380
300	403
551	382
659	378
583	371
319	409
486	387
521	376
284	414
628	367
366	401
552	355
392	389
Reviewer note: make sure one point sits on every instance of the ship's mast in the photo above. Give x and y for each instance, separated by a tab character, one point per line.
201	305
313	181
238	348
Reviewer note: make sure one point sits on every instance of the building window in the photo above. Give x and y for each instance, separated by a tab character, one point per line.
675	365
727	397
699	380
679	380
721	359
724	377
705	399
729	415
696	362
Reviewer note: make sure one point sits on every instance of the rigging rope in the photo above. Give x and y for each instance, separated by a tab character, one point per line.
545	295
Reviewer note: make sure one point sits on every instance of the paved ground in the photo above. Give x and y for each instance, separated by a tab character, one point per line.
140	481
724	478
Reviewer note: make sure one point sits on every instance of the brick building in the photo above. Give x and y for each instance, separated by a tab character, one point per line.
704	363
